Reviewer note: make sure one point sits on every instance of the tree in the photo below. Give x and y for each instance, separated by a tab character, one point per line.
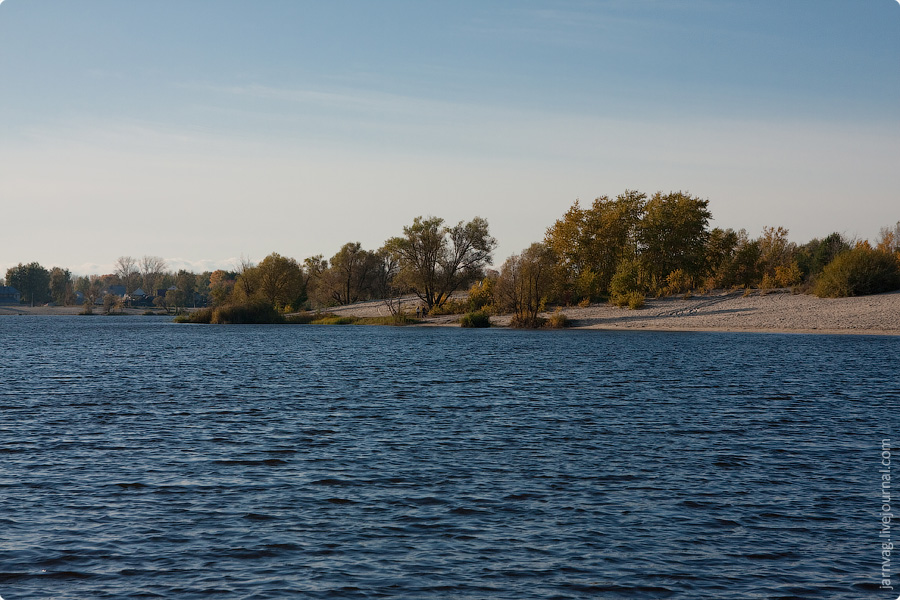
90	287
386	283
61	288
356	268
524	283
113	303
221	285
815	254
592	242
436	260
186	282
776	255
889	239
277	280
673	235
174	298
126	269
32	281
720	250
152	269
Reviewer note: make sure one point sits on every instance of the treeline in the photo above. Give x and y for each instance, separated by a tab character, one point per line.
635	245
620	249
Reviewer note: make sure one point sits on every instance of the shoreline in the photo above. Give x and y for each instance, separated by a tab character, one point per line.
776	311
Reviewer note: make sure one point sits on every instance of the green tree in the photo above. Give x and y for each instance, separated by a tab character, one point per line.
720	250
32	281
175	299
674	235
436	260
815	254
350	276
186	282
592	242
277	280
61	287
221	286
777	259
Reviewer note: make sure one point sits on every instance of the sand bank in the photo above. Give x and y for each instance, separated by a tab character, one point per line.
778	311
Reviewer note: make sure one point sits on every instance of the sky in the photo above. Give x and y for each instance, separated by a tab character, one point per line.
207	131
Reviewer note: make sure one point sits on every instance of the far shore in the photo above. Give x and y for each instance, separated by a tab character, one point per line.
728	311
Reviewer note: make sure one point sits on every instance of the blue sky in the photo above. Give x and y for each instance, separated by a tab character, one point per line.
203	131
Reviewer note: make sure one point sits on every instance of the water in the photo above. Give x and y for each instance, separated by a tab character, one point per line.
145	459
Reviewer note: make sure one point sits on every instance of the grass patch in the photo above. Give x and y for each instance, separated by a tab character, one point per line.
401	319
334	320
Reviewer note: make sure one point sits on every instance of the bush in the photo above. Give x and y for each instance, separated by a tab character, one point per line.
478	318
558	320
525	322
249	313
858	272
633	300
627	279
677	282
481	294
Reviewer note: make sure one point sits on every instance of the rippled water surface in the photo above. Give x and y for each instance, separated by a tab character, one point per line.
142	459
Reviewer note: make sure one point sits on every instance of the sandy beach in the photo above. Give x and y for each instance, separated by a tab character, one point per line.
778	311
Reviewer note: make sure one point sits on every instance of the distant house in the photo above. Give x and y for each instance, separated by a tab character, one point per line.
115	290
9	295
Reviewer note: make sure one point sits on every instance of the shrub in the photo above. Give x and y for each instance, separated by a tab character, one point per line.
677	282
477	318
558	320
526	322
481	294
858	272
249	313
788	276
633	300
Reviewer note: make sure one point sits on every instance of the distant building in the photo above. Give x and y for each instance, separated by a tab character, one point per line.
9	295
115	290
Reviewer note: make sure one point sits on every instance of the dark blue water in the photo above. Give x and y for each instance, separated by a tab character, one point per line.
144	459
